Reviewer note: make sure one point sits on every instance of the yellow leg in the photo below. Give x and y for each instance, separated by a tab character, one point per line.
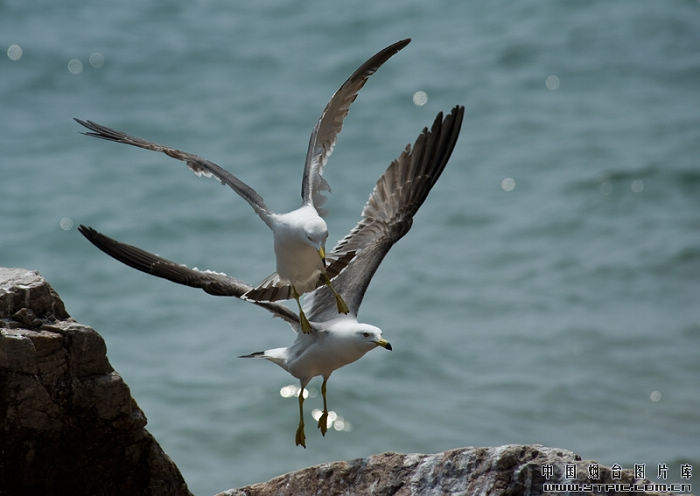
300	436
305	326
323	421
342	306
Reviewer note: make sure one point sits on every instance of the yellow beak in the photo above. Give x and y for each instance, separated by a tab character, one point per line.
384	344
322	254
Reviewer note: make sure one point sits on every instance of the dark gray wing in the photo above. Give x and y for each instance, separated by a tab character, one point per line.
212	282
198	165
326	130
388	214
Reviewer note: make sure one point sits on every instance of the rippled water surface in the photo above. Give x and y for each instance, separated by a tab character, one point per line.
548	291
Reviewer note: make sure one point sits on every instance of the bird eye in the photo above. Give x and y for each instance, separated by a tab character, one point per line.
365	334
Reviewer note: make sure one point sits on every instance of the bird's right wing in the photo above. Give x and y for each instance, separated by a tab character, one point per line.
388	214
198	165
330	123
213	283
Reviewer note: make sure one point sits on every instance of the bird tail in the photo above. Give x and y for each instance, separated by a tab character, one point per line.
257	354
275	355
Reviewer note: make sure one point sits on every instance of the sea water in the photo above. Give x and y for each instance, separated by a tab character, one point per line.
547	292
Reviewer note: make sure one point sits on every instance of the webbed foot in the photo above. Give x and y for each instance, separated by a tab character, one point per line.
300	436
323	422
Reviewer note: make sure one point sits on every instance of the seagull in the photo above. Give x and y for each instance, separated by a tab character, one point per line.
335	340
299	235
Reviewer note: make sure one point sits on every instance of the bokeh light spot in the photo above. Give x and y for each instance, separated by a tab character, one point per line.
75	66
508	184
552	82
66	223
96	60
292	391
333	420
420	98
14	52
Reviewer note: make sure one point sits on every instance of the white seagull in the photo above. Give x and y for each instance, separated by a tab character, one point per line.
335	340
299	235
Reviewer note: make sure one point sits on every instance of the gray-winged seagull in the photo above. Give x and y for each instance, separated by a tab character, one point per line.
335	340
299	235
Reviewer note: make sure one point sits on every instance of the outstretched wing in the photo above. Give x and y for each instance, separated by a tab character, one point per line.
325	132
388	214
212	282
198	165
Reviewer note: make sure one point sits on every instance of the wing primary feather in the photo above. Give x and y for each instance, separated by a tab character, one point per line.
198	165
214	283
388	214
325	132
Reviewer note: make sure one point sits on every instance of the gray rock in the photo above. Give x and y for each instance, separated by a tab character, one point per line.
511	470
68	423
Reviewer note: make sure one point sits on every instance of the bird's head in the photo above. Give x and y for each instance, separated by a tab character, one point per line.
371	336
346	340
315	235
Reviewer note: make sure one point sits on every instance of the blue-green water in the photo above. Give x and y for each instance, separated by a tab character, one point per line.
548	291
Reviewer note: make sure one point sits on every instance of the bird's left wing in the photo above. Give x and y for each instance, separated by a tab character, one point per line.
198	165
388	214
330	123
212	282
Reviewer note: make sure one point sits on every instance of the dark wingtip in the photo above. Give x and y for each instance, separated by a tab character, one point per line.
82	123
86	231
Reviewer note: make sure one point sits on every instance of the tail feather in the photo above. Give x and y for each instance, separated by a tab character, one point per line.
257	354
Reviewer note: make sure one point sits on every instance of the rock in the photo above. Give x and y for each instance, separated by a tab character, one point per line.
512	470
68	423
